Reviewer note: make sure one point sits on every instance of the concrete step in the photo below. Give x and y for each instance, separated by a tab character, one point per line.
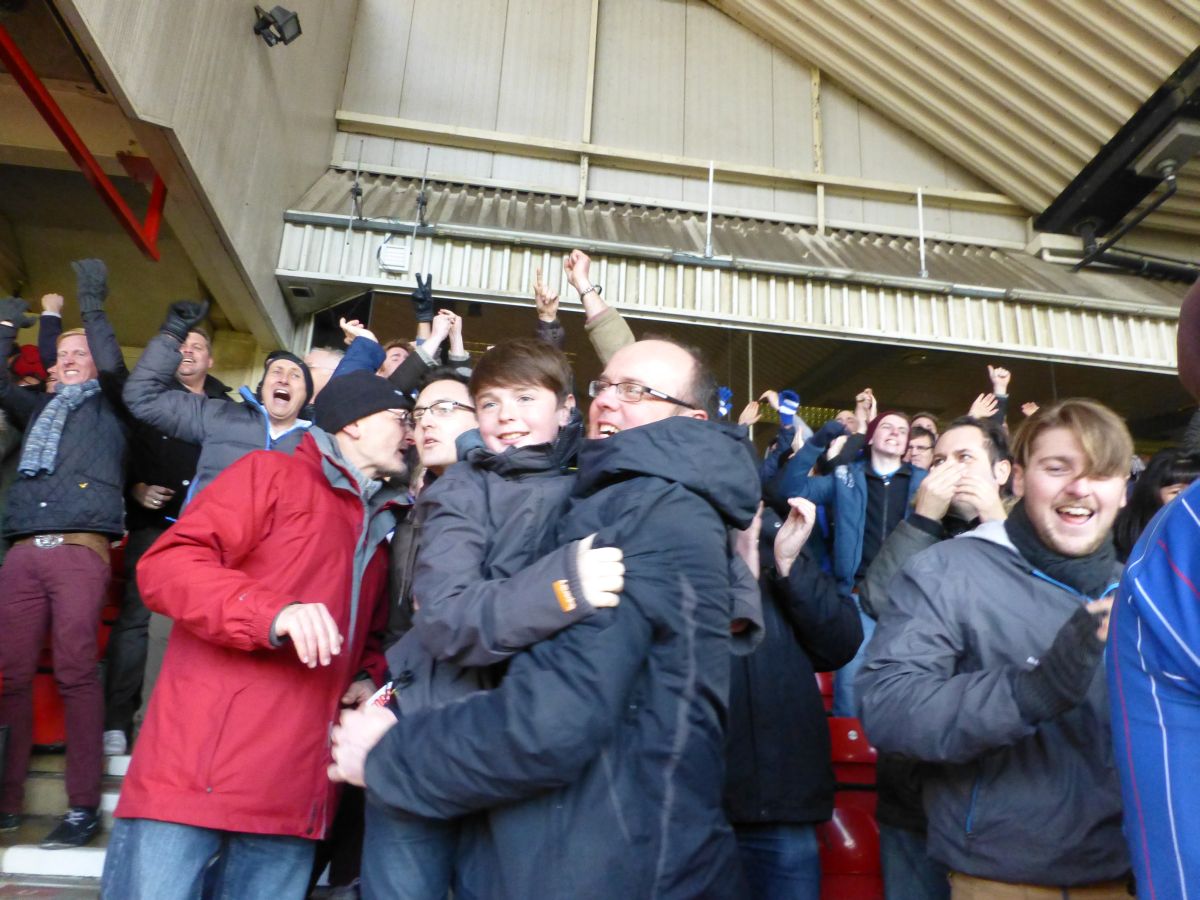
20	856
46	795
45	887
46	789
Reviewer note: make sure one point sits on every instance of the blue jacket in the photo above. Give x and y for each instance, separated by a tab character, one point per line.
845	492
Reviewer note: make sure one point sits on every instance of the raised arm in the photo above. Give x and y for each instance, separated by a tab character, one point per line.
150	393
49	328
20	403
605	327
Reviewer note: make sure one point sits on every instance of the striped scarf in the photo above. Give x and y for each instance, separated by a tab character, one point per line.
41	445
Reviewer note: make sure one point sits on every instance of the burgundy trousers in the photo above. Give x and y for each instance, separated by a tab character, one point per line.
62	590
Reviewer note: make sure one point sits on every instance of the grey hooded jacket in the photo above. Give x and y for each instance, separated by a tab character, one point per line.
1008	800
225	431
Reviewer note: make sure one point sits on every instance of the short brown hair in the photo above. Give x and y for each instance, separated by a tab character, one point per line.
524	361
1103	435
403	343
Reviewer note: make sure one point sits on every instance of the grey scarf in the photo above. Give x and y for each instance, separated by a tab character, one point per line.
41	446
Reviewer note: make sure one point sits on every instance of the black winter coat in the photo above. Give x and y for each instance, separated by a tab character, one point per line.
86	490
778	758
158	458
601	754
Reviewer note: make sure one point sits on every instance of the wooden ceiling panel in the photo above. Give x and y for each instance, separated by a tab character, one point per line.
1023	93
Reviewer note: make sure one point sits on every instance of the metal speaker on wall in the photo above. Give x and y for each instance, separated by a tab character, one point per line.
279	26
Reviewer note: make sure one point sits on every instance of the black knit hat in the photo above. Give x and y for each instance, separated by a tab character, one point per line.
355	396
290	357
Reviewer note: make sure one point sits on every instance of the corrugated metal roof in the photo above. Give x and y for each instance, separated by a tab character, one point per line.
395	198
1022	93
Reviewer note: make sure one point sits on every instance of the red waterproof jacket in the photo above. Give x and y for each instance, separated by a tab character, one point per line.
238	732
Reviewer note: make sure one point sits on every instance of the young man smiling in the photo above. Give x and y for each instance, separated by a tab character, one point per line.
986	666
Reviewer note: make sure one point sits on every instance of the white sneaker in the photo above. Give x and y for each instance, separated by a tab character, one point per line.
114	743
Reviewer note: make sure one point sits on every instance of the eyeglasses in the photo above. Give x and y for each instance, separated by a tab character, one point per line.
402	416
440	410
632	392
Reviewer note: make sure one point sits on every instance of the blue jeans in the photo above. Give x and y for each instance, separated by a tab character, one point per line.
845	697
780	862
151	860
908	872
406	857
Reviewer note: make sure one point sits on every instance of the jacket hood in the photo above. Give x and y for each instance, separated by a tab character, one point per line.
710	459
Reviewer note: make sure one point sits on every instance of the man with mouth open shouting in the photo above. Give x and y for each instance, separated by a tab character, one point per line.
986	665
266	419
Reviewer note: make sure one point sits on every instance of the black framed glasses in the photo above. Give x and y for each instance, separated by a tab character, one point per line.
441	409
632	392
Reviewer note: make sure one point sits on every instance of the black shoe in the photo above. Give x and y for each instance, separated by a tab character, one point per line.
10	821
77	828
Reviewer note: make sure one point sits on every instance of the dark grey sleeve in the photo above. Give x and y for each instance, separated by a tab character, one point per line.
905	542
468	619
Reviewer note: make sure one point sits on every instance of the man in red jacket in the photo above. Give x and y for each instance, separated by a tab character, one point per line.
275	577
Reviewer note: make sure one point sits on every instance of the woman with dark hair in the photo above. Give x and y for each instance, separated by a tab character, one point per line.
1167	474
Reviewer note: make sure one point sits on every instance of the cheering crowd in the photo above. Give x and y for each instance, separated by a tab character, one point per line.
454	626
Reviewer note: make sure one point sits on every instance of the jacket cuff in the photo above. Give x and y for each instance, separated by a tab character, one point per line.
931	527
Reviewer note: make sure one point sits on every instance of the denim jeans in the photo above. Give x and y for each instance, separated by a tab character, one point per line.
908	872
406	857
151	860
845	697
780	862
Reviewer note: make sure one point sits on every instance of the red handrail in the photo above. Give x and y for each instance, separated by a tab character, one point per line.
144	234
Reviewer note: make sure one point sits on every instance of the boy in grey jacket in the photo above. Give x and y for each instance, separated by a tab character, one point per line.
490	579
986	665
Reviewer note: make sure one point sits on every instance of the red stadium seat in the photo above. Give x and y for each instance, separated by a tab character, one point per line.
853	758
849	848
825	685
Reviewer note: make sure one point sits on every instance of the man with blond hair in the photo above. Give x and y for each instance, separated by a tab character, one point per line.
986	665
63	509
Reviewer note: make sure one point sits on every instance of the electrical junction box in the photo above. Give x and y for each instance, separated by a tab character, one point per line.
394	257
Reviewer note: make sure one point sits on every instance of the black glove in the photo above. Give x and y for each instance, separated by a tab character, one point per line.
422	298
182	317
825	435
1062	678
91	279
16	310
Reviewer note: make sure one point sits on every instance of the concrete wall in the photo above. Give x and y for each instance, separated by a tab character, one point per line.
239	130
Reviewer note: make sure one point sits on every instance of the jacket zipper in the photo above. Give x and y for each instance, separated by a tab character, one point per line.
971	805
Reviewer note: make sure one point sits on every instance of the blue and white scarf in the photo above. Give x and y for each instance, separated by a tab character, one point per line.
41	446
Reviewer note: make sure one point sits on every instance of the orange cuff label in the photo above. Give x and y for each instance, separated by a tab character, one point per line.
566	600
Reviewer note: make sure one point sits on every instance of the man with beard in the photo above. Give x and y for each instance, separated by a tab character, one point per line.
280	550
266	419
986	666
970	467
600	755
